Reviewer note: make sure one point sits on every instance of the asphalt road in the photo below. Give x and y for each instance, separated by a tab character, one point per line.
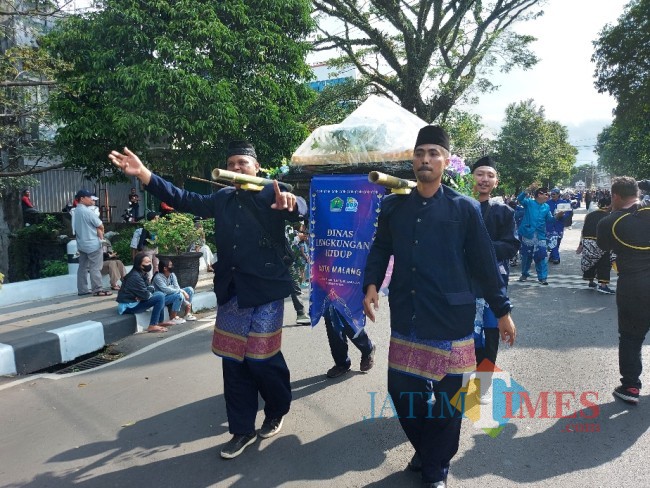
157	417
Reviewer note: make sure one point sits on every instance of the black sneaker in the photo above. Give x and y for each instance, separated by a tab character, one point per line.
369	361
522	278
237	444
270	427
543	282
336	371
629	395
415	464
592	285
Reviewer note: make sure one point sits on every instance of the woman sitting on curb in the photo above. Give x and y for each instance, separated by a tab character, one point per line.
165	281
137	295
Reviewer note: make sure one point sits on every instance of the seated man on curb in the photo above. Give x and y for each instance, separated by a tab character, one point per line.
137	295
165	281
112	265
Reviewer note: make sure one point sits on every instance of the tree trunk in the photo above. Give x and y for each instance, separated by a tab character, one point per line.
11	219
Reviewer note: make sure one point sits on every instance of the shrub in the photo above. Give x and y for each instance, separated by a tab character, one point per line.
122	246
54	268
174	233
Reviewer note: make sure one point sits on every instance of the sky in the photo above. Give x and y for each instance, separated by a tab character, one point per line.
562	82
563	79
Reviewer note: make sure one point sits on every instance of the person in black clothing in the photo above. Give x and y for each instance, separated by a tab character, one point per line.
626	232
251	280
137	295
595	263
338	332
499	220
440	247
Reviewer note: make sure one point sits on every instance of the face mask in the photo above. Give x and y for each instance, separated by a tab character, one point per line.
171	270
146	268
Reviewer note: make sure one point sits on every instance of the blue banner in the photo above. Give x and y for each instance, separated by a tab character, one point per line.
343	218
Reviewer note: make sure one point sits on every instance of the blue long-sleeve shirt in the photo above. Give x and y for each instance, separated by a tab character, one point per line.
248	266
536	215
440	244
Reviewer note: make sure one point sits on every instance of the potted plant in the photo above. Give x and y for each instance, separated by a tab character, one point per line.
175	236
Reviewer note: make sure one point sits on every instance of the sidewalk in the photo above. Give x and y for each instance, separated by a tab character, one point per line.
48	331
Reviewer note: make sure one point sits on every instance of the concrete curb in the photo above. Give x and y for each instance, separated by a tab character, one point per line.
44	349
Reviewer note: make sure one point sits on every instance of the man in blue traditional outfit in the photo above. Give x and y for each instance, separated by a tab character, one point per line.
555	228
499	220
532	232
440	244
250	281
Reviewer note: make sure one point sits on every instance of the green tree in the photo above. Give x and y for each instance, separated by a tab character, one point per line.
621	55
335	102
176	81
26	128
427	54
466	134
533	149
624	149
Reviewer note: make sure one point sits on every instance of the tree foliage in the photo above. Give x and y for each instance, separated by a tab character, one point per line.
532	149
428	54
175	81
26	128
335	102
466	133
621	55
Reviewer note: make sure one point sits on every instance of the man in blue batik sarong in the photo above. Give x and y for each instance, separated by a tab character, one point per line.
251	281
532	233
555	228
439	244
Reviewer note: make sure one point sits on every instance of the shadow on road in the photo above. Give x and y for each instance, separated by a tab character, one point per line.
554	451
124	461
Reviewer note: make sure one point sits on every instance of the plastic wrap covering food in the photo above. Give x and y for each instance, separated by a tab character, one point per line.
378	131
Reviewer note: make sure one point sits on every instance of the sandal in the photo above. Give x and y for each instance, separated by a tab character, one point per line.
116	287
156	328
102	293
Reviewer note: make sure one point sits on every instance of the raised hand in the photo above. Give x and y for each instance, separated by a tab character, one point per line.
130	164
283	199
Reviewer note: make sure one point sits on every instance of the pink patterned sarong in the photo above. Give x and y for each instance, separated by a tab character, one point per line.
431	359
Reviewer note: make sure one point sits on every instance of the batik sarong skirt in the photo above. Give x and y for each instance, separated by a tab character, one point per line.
431	359
253	333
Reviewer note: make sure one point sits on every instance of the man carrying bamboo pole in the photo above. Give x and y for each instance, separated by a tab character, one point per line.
439	243
251	280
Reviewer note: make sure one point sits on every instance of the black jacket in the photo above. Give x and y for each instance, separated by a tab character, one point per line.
440	246
247	267
135	287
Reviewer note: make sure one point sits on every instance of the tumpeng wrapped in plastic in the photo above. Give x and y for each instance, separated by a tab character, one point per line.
378	131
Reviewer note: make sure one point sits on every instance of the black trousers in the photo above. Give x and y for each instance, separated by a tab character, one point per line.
433	430
338	339
491	347
243	381
633	325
